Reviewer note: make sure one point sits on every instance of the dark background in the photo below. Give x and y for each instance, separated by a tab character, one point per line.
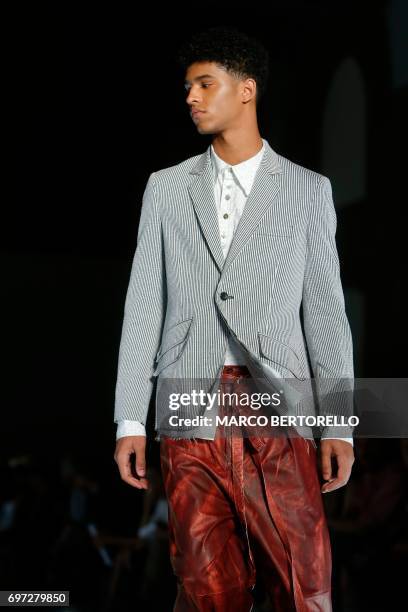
95	103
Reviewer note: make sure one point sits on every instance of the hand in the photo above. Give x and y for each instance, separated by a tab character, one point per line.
125	448
344	456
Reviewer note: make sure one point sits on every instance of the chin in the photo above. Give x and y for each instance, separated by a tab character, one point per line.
202	129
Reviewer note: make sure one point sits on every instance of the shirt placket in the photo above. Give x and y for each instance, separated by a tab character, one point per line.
226	208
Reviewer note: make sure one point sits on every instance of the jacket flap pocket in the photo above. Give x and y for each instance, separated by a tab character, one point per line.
174	336
280	353
170	356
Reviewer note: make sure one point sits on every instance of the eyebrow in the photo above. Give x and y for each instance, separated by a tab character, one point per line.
202	76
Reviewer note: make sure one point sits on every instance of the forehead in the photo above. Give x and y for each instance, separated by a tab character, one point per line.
201	70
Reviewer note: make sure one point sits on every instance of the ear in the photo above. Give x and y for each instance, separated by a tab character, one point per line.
248	91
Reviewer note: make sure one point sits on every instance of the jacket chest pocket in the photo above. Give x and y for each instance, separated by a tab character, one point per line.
173	343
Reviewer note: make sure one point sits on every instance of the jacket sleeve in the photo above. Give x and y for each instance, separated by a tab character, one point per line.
327	329
143	315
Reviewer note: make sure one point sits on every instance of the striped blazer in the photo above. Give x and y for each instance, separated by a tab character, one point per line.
184	298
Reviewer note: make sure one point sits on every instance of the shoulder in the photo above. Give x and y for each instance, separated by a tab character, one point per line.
177	171
313	187
165	184
301	175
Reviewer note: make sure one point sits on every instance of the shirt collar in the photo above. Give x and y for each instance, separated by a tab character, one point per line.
244	172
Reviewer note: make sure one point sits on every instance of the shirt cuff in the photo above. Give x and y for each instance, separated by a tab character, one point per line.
350	440
130	428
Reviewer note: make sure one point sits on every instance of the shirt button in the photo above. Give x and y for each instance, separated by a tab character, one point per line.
227	197
225	216
222	235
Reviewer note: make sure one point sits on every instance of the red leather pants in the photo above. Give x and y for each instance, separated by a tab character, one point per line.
240	505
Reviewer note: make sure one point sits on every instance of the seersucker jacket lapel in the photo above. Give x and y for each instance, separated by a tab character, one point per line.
264	191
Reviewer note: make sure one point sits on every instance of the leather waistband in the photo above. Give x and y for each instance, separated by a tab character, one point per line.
235	372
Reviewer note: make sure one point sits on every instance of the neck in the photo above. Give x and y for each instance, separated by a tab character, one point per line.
236	147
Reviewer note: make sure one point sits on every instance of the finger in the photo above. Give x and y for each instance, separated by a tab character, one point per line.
141	461
125	469
342	476
326	463
344	468
334	484
138	483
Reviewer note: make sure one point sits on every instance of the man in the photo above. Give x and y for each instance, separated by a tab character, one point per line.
231	243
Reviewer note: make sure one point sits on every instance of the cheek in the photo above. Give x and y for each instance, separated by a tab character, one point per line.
228	104
224	106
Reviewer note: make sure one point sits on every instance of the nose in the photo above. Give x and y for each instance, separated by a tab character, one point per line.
192	96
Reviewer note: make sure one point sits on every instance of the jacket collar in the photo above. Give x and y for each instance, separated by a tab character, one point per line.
265	188
244	172
269	161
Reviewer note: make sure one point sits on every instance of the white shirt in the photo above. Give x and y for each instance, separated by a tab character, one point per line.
232	185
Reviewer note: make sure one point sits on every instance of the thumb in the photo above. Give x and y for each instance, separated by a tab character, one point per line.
326	464
141	463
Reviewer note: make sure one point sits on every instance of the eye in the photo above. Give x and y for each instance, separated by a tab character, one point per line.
188	87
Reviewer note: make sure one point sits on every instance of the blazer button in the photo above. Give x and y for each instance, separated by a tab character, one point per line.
224	295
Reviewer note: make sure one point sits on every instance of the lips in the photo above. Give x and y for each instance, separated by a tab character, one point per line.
196	113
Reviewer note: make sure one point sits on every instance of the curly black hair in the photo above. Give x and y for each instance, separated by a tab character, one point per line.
240	54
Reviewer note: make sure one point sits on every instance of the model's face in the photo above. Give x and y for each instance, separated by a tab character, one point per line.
216	94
